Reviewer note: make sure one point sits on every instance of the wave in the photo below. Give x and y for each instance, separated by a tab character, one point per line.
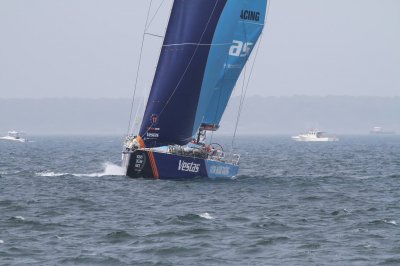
206	215
384	221
387	221
190	217
110	169
20	218
118	236
50	174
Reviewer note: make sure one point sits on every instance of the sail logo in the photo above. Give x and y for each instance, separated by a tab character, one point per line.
250	15
152	135
151	130
153	119
188	167
240	49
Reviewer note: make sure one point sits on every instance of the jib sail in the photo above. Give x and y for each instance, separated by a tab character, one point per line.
240	24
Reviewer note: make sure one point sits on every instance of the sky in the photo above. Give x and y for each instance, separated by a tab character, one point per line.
90	48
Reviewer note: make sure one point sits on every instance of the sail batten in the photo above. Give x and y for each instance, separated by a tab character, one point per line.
198	44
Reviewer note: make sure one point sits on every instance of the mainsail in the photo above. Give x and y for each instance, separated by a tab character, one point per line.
206	46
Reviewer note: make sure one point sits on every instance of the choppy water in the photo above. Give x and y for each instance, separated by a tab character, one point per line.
63	202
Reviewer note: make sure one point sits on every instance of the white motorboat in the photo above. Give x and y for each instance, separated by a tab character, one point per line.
314	135
380	131
14	136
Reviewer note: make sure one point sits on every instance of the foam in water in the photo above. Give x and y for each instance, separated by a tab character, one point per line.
390	222
206	215
19	218
1	241
110	169
50	174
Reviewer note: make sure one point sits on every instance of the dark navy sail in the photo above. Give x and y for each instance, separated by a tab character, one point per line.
173	100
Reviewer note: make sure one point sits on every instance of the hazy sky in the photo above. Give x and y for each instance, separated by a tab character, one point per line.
90	48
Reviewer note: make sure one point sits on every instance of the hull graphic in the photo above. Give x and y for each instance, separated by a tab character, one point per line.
144	163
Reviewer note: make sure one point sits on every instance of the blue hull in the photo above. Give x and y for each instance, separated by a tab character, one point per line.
157	165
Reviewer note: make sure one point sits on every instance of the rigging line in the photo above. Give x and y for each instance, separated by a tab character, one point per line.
136	116
155	69
240	108
138	67
154	16
242	93
246	89
258	47
140	110
151	21
251	72
154	35
187	67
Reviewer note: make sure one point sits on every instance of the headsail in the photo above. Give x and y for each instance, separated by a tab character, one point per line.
205	48
240	25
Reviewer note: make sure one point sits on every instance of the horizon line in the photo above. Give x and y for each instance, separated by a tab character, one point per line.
234	96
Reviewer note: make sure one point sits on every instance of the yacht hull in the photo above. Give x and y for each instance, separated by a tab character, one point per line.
13	139
158	165
296	138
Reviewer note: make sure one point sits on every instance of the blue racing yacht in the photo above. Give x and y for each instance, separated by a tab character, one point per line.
205	48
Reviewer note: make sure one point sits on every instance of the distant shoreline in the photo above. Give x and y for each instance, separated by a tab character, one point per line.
287	115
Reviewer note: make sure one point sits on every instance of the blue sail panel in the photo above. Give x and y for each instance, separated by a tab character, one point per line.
238	30
171	108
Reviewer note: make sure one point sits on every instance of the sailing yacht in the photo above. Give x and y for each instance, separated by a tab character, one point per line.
205	48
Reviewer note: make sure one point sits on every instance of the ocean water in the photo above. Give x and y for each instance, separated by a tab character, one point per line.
63	201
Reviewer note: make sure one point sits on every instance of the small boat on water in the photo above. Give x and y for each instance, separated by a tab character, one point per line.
15	136
314	135
380	131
